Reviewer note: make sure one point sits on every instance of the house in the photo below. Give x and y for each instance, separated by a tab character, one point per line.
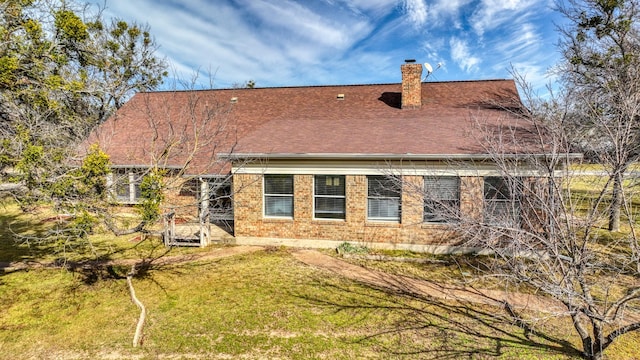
320	165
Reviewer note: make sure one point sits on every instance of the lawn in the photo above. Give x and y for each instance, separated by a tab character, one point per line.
263	305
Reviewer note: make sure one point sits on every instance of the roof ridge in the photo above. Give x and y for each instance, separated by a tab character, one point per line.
319	86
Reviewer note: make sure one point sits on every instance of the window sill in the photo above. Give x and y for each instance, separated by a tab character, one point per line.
277	219
380	223
384	220
332	222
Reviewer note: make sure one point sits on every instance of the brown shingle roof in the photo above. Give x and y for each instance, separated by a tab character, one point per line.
193	126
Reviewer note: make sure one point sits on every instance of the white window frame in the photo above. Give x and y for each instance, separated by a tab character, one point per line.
133	179
342	179
266	195
440	200
391	183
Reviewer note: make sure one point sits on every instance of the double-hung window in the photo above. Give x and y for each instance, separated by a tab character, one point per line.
441	198
329	197
383	198
501	205
126	185
278	195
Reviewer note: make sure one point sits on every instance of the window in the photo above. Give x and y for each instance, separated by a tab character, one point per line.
329	197
126	185
441	198
278	195
501	205
383	198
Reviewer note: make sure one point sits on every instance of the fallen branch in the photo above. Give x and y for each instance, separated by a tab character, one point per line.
137	337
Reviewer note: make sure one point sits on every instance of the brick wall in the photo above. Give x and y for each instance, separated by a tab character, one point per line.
181	197
250	222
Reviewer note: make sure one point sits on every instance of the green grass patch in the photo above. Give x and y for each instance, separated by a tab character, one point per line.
262	305
255	306
21	240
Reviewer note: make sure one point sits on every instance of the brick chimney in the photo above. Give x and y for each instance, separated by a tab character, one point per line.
411	84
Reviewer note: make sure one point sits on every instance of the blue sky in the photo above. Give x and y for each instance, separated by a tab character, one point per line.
328	42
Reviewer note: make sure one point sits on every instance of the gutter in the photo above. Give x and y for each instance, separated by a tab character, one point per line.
134	166
362	156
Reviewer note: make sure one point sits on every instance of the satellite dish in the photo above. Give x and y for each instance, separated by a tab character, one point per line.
428	67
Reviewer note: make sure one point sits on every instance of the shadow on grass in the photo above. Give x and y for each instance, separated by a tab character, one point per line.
15	232
151	255
417	325
26	242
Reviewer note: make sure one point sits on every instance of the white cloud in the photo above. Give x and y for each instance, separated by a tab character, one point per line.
292	42
492	14
523	42
416	10
374	8
311	27
281	41
434	49
537	76
446	12
461	55
525	49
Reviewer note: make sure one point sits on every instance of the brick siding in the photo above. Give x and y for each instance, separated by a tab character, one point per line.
250	222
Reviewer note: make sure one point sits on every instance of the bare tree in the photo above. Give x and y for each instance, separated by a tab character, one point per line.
601	50
542	224
174	164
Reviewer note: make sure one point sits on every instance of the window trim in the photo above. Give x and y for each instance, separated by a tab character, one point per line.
381	197
133	180
434	219
316	196
265	195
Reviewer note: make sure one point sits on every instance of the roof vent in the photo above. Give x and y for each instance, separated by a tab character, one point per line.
340	97
234	99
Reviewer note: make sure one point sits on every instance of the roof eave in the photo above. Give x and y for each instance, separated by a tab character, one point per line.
145	166
363	156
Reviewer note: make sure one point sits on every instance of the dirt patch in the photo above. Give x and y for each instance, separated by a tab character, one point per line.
407	285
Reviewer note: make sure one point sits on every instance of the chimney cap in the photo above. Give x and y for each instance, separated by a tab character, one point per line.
409	61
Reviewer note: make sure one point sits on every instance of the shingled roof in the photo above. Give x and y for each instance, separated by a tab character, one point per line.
194	127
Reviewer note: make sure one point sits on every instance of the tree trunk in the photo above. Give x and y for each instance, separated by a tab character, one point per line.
596	356
590	351
616	202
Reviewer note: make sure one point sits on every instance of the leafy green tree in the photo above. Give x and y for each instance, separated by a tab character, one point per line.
601	70
122	63
62	72
152	194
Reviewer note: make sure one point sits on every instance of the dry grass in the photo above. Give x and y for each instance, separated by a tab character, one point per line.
262	305
255	306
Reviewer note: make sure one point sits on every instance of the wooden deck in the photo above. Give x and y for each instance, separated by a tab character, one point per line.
188	234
